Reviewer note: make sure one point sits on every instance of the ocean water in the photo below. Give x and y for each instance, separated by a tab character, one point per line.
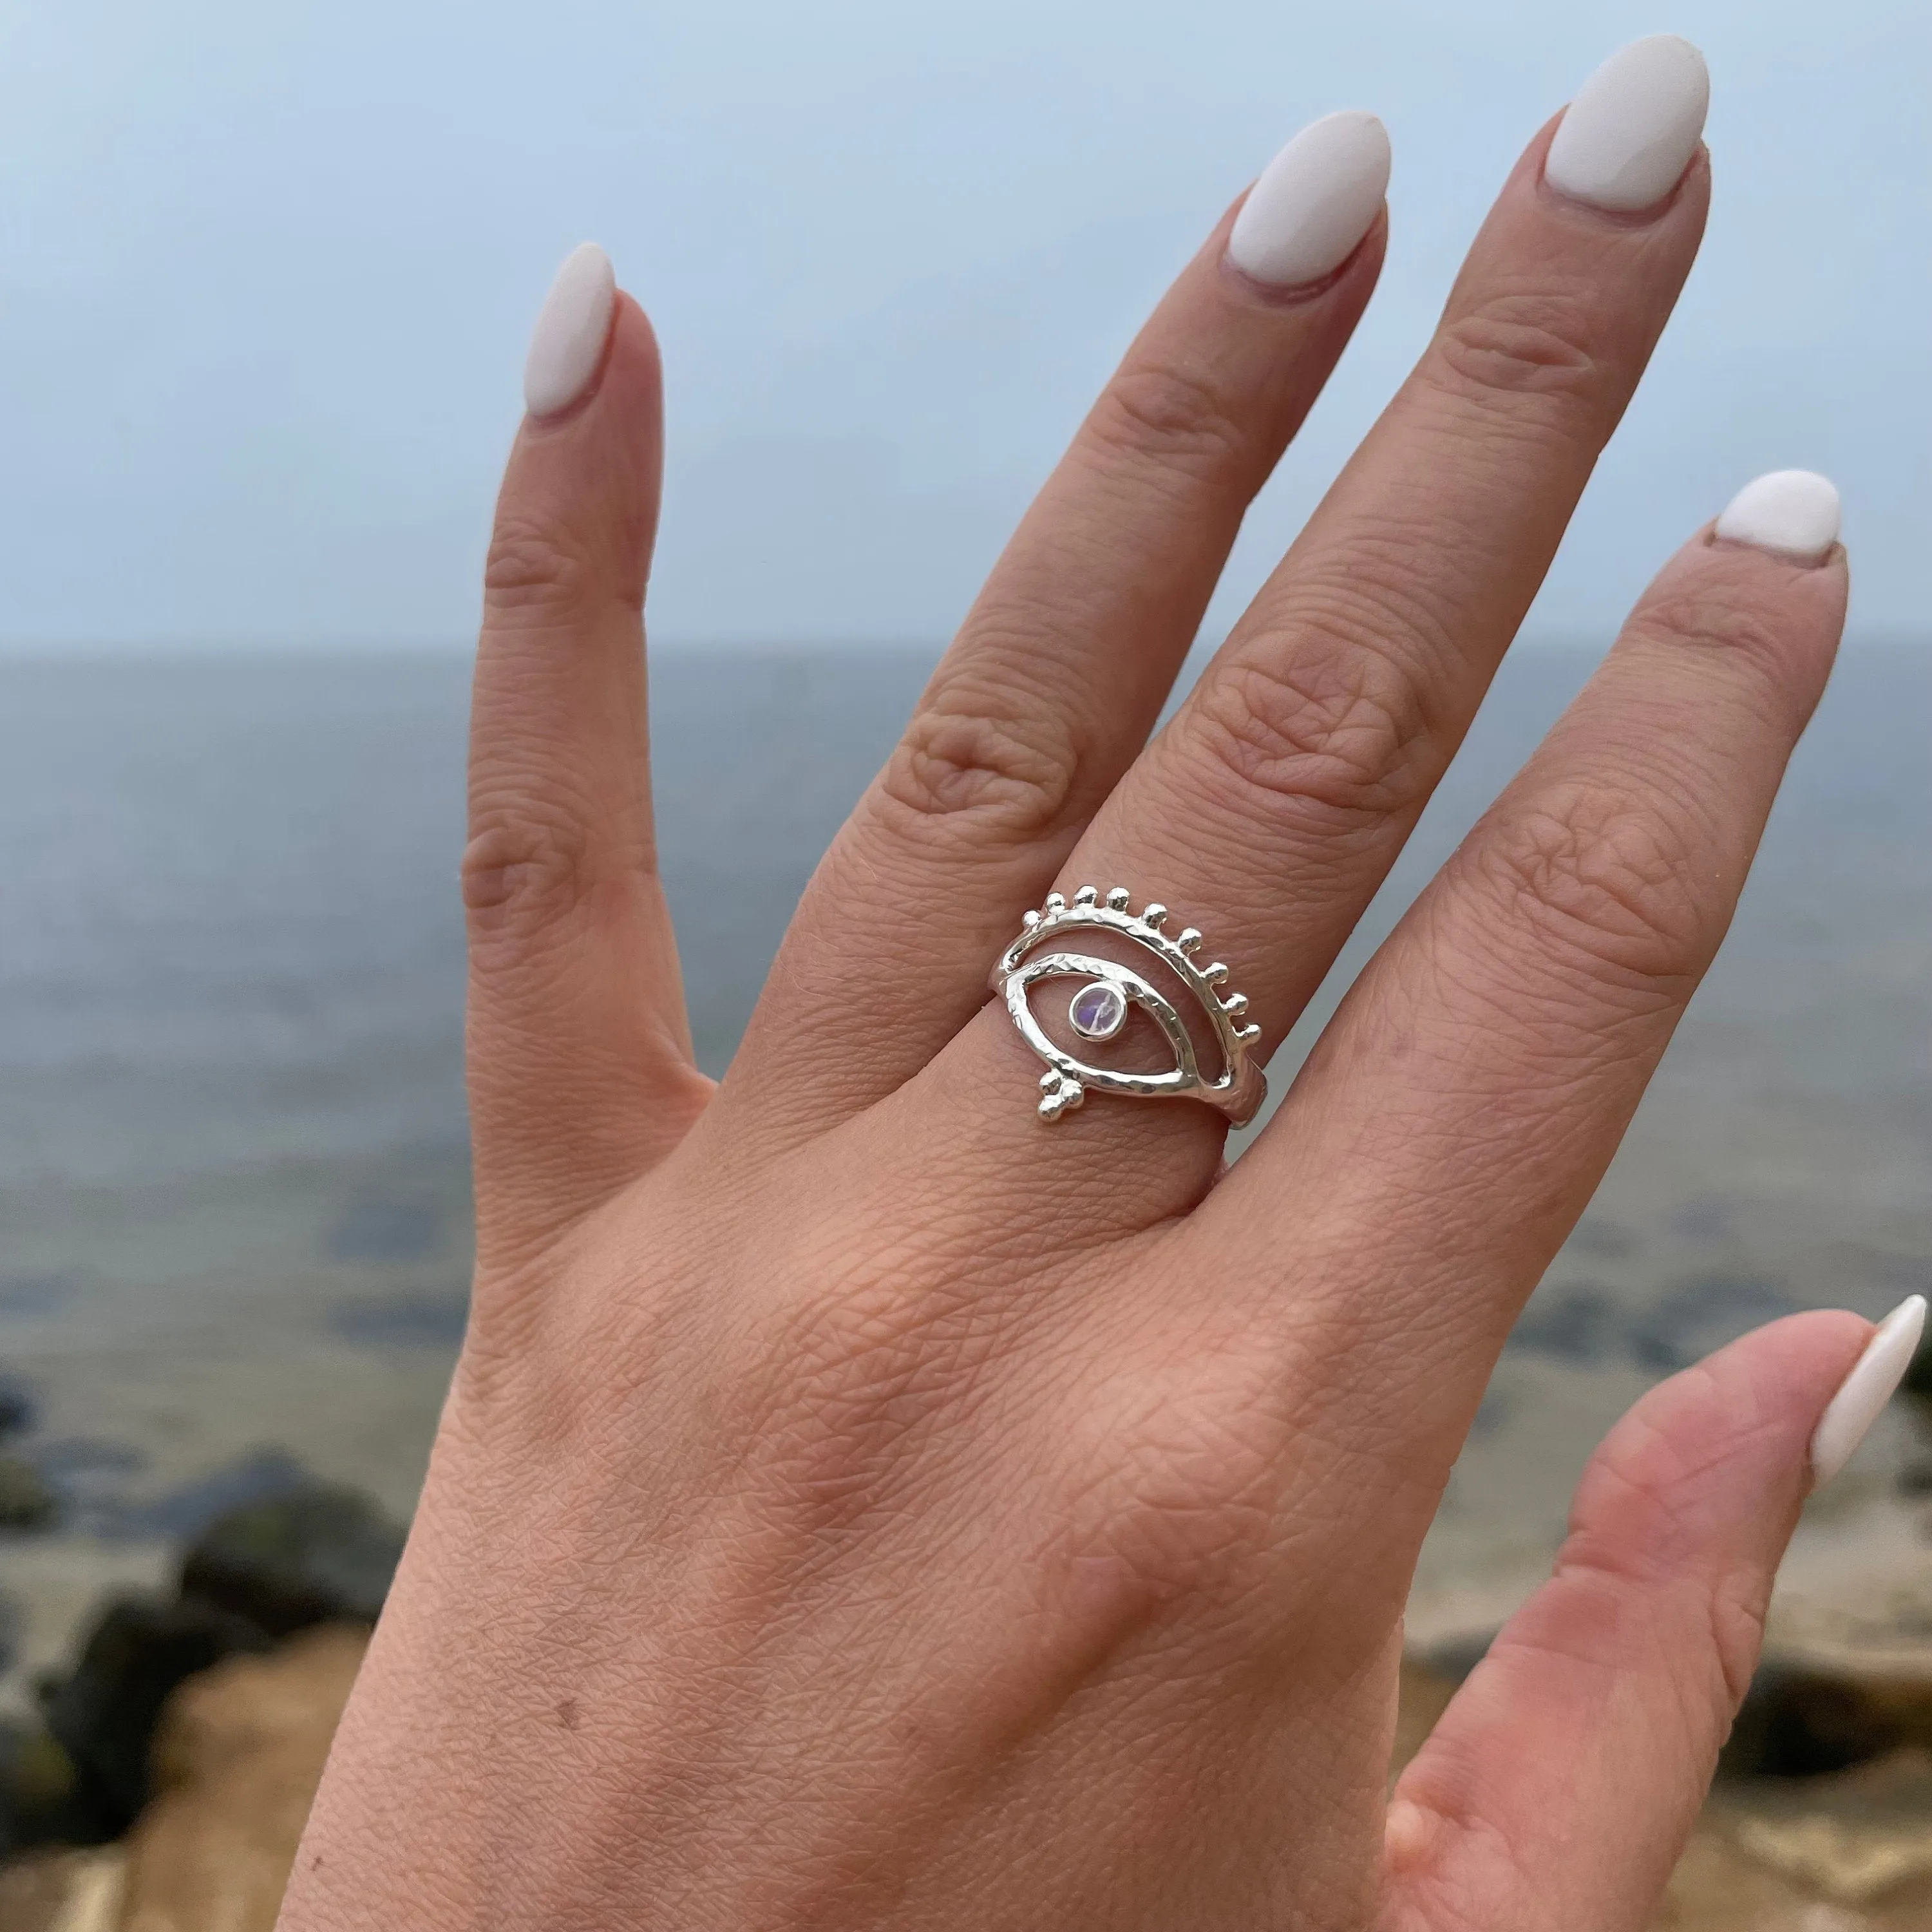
233	1197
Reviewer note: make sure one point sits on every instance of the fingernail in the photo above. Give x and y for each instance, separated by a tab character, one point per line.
1631	131
1792	513
1874	1379
1314	202
568	342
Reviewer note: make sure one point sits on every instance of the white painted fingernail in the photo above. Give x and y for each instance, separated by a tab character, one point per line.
1874	1379
568	342
1314	202
1631	131
1792	512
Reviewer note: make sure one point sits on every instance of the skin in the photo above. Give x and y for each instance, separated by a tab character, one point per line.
860	1505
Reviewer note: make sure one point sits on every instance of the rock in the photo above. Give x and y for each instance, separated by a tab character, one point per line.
63	1891
1853	1848
1917	1380
1424	1695
16	1407
38	1788
314	1554
318	1554
103	1715
1800	1723
237	1758
1715	1888
1582	1323
1915	1478
186	1511
26	1501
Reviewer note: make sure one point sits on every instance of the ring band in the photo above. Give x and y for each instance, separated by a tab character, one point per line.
1099	1008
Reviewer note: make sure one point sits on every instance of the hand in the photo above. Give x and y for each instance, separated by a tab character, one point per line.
863	1504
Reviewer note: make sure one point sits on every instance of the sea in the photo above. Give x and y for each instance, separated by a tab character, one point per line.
234	1198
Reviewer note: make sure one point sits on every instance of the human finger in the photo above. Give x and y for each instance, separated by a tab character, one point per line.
1061	667
1559	1787
1271	808
579	1062
1460	1110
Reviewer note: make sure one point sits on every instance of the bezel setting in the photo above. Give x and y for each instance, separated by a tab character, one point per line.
1240	1086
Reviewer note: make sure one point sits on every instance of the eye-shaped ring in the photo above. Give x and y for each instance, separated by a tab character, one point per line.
1099	1008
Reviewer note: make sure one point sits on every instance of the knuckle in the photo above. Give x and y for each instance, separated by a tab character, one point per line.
1182	1501
1331	730
849	1376
1181	1456
1525	343
526	867
1606	883
1168	415
1712	616
829	1450
534	567
980	767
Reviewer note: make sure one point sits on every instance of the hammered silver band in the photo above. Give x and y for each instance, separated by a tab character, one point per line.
1100	1007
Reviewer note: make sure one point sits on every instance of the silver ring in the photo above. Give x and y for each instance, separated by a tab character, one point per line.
1099	1008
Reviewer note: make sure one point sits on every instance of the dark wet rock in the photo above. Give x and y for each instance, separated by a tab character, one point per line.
190	1508
1575	1324
27	1500
418	1321
1586	1322
297	1552
1703	1313
379	1228
1423	1695
1593	1235
1454	1658
1796	1723
103	1716
17	1406
1918	1382
88	1475
39	1791
67	1458
93	1477
317	1553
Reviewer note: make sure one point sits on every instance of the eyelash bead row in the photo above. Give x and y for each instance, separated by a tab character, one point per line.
1100	1007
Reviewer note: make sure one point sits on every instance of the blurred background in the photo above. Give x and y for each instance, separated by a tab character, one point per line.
268	271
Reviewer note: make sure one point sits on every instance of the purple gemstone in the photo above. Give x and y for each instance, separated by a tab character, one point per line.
1098	1010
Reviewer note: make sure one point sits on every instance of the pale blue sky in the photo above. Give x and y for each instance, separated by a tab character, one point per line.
268	266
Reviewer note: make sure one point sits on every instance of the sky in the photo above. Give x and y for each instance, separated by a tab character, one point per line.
268	267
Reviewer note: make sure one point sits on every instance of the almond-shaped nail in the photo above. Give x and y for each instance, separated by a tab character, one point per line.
1630	134
568	342
1791	513
1874	1379
1314	202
